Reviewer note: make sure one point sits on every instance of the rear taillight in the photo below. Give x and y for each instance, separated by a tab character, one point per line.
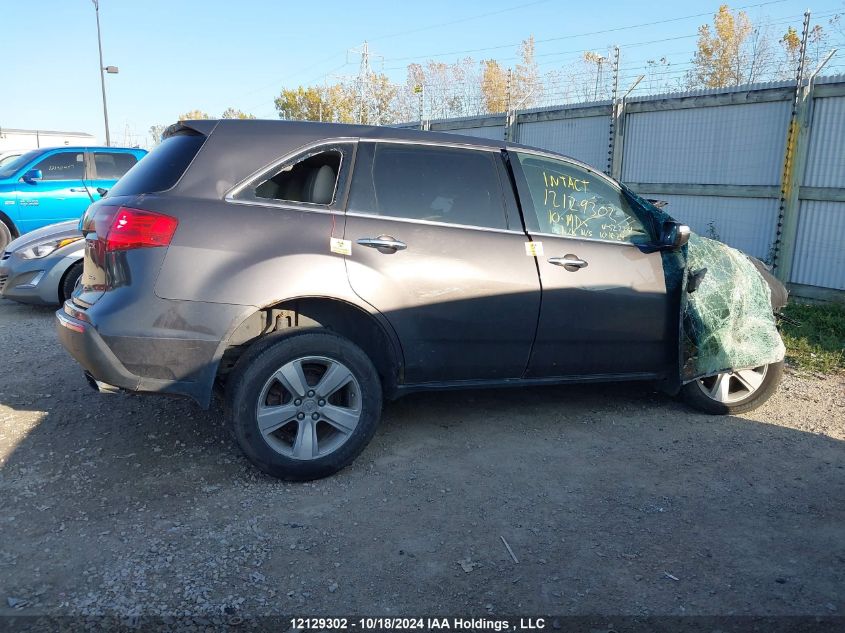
123	228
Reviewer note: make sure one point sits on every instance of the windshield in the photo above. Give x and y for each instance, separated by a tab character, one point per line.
9	169
5	160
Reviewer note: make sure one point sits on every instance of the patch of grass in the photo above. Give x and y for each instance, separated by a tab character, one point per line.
818	344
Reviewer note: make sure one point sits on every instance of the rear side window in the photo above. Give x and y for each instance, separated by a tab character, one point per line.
436	184
112	165
312	180
162	167
62	166
314	177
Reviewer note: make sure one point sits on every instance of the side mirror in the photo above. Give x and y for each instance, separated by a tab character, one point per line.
31	176
674	235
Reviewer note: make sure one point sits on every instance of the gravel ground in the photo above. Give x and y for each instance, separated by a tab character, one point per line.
614	499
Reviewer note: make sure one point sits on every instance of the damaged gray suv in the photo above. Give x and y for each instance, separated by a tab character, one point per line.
307	271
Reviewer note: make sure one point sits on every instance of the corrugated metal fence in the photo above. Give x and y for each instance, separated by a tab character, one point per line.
718	158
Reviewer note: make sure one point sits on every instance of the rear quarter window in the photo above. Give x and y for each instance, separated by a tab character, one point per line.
161	168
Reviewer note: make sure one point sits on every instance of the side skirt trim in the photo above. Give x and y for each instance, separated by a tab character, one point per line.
402	390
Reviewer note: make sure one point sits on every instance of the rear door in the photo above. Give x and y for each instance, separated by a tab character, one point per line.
435	251
605	308
107	167
59	195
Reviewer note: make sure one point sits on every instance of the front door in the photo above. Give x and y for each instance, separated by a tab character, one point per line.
605	308
59	195
434	250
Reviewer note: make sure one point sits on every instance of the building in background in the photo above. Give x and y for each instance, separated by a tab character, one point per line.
11	138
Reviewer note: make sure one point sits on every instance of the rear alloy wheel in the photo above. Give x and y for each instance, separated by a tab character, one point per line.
734	391
309	407
304	407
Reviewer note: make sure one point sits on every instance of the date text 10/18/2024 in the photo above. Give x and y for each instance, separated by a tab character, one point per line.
418	624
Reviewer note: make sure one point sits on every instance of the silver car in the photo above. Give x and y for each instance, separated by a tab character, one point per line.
43	266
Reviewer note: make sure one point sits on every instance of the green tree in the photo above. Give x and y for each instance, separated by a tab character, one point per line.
232	113
494	86
528	87
300	104
381	94
791	43
721	58
194	115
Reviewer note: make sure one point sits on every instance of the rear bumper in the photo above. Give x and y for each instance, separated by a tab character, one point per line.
85	344
94	353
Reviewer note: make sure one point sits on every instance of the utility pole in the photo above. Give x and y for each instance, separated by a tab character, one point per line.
363	81
363	84
112	70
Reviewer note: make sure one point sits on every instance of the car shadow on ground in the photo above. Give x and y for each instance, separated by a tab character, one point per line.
612	498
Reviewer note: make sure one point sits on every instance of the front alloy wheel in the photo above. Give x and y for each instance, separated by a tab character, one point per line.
734	391
734	386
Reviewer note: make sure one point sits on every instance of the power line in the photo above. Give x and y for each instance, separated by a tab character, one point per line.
458	21
573	36
783	20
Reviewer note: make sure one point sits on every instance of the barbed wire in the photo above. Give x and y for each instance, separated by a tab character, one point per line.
564	77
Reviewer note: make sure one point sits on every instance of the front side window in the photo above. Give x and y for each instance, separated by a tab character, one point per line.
312	178
421	182
62	166
112	165
572	201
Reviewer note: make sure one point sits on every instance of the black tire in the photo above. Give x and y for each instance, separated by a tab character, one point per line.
696	397
69	280
5	236
256	367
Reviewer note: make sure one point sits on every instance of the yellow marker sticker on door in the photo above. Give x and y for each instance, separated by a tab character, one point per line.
534	249
339	246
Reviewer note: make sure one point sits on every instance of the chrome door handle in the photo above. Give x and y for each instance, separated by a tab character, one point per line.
383	243
77	190
570	262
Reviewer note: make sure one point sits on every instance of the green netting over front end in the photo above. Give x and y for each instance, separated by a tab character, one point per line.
727	321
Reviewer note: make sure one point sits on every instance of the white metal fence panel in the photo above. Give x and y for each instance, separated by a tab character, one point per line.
826	152
586	138
744	223
819	253
727	145
734	138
